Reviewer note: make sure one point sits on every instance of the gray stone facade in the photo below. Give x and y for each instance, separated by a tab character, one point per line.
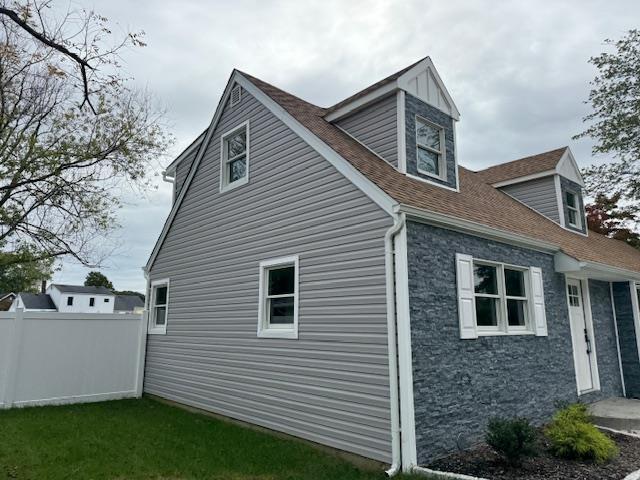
567	185
460	384
627	336
413	107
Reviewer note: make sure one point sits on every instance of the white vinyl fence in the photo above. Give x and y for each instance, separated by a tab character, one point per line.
53	358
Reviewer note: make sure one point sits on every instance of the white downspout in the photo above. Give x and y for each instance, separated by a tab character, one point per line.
172	181
398	224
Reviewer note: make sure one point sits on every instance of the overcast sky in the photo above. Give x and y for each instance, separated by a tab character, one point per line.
517	71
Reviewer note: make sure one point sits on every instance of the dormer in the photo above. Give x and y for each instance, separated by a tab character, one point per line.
409	120
549	183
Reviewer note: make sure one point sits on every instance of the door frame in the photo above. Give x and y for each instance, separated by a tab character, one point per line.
588	320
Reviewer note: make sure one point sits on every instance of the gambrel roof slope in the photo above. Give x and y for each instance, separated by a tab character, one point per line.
476	202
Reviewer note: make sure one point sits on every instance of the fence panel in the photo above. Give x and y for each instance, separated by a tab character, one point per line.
53	358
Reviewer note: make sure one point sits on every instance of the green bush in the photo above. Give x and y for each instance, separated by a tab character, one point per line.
512	439
572	435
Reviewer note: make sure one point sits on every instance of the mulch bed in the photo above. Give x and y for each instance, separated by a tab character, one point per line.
483	462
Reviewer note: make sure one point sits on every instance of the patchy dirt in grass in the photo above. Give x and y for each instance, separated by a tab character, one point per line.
483	462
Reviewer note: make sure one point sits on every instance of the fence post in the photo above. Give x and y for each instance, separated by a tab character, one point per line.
14	355
142	351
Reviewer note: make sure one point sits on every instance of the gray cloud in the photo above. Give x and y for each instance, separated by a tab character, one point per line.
517	70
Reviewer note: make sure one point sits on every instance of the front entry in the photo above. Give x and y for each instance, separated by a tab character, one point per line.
582	337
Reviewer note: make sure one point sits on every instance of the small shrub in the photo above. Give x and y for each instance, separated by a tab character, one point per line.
512	439
573	436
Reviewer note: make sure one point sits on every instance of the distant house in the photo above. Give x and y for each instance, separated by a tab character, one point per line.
78	299
128	304
6	299
315	257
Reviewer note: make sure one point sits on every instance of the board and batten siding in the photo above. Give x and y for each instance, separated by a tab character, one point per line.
375	127
331	385
539	194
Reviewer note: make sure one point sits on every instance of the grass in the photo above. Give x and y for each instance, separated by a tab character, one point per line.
145	439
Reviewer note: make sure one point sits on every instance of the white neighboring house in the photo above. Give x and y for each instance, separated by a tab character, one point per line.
81	299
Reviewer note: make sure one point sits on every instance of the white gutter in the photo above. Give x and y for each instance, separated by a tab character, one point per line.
398	224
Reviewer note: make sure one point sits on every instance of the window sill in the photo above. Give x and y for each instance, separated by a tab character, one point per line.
236	184
504	334
278	333
442	178
157	331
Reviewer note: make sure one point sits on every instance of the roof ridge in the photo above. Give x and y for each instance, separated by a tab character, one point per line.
528	157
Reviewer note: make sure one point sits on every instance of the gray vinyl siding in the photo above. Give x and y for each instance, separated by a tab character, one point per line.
376	127
539	194
182	170
331	385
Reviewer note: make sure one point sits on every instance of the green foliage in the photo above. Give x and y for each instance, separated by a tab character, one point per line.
130	292
22	270
608	217
97	279
573	436
512	439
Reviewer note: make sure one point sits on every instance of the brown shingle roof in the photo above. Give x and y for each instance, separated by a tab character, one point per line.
522	167
476	201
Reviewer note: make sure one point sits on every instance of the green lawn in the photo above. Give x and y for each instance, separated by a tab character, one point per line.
145	439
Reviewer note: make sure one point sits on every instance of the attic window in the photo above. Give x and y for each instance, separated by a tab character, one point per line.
572	209
236	95
234	167
430	149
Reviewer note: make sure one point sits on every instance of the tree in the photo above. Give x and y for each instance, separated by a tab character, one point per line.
97	279
130	292
73	133
606	216
23	273
615	119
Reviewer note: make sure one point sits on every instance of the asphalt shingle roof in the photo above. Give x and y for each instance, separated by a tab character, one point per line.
39	301
126	303
476	201
542	162
82	289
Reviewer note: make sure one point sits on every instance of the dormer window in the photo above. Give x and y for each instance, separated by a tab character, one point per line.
430	148
573	215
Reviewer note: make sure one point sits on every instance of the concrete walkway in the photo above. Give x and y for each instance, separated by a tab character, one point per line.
617	413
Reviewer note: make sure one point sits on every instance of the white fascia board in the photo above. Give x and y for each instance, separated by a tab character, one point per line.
187	151
402	131
526	178
428	63
476	229
361	102
375	193
205	142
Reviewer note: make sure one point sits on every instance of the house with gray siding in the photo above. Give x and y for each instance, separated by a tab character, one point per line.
338	275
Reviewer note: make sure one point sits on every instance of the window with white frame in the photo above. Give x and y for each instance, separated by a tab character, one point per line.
234	168
278	292
159	306
430	148
501	297
573	212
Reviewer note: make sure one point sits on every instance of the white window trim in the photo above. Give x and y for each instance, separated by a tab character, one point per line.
442	163
503	327
224	186
575	209
264	330
154	329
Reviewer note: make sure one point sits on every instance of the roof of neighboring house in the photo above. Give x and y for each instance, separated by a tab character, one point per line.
4	295
126	303
82	289
542	162
476	201
37	301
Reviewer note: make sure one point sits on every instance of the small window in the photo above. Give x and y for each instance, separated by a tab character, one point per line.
69	301
501	297
574	295
106	300
430	149
278	292
573	213
236	95
159	306
92	302
234	169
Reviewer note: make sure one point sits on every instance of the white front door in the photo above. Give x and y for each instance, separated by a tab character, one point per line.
581	336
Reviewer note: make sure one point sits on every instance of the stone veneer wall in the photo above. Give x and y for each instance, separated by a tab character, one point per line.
460	384
628	340
414	106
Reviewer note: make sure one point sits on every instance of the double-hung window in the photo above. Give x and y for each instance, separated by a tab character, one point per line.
278	292
573	213
501	295
159	306
430	149
234	166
